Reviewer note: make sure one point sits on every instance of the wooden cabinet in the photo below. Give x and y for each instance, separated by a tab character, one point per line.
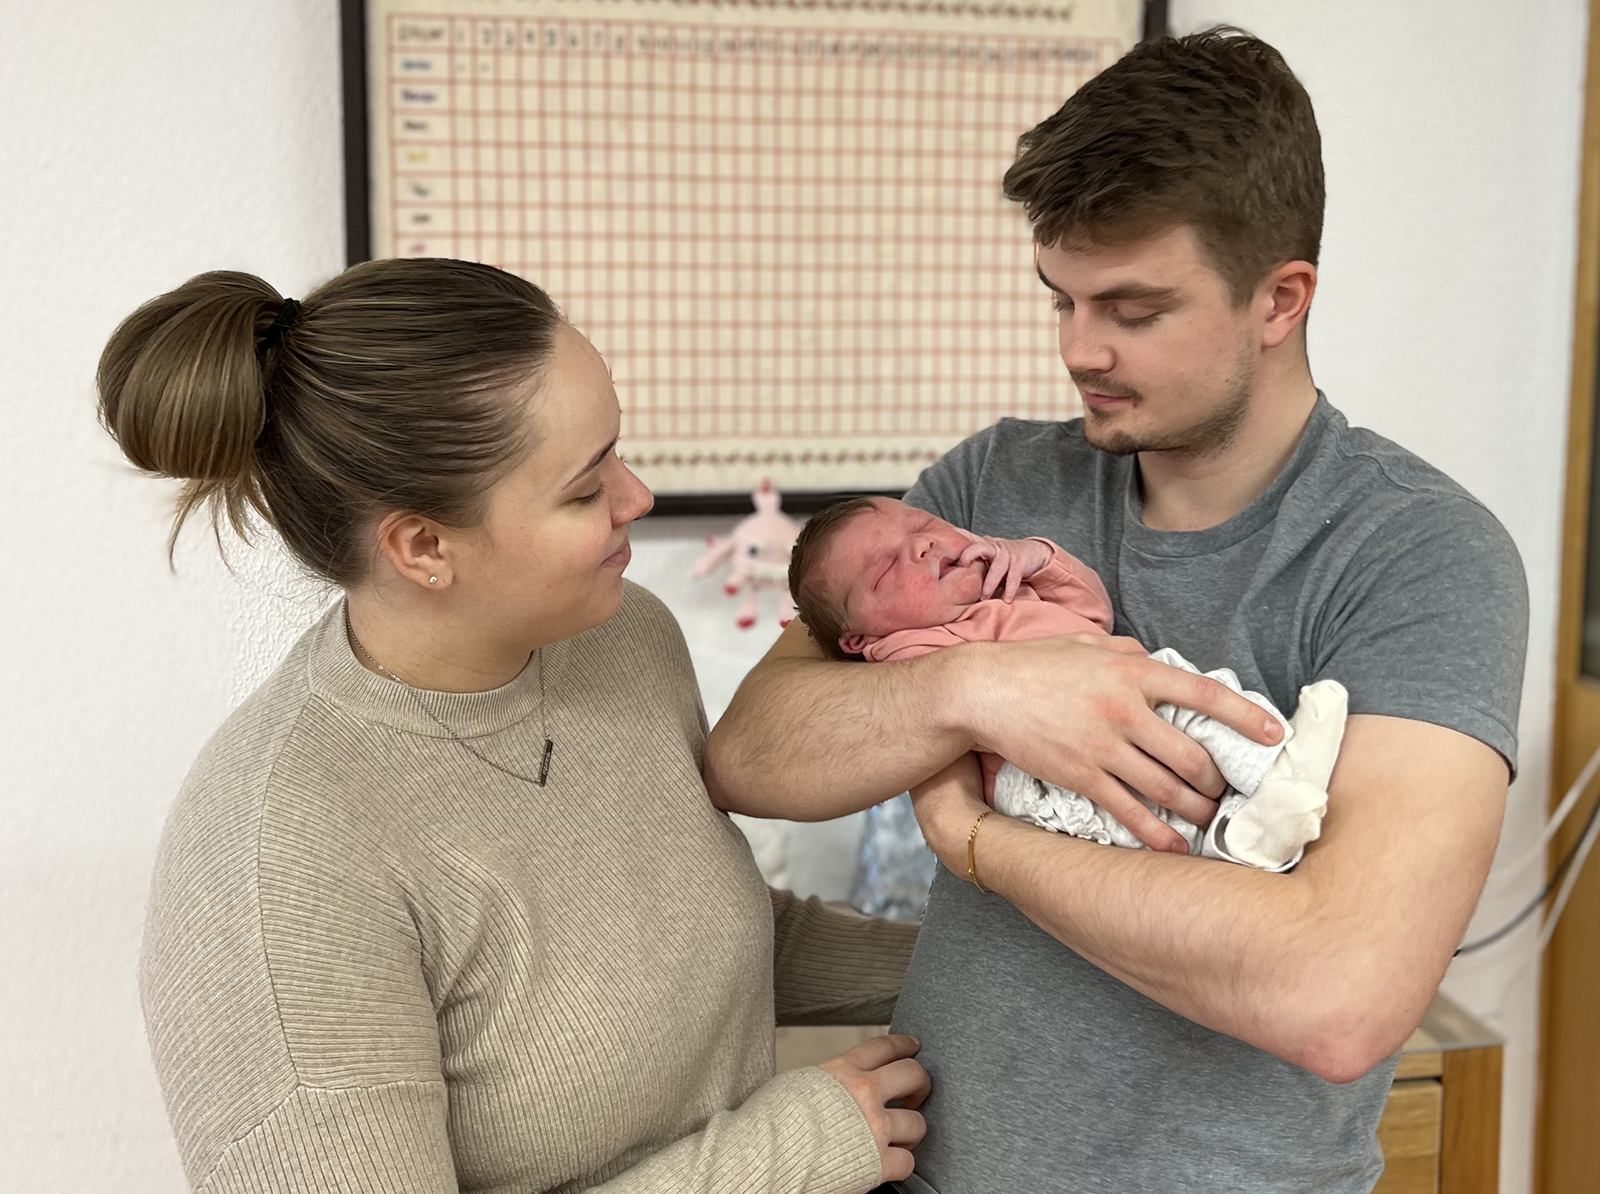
1440	1132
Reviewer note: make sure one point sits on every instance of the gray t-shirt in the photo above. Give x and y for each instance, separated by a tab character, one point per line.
1361	563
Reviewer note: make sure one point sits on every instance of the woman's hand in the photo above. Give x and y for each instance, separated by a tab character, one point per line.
879	1072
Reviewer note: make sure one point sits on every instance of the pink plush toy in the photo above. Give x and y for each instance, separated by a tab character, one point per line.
757	552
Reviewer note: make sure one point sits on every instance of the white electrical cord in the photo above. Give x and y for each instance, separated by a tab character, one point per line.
1529	963
1540	848
1569	882
1567	871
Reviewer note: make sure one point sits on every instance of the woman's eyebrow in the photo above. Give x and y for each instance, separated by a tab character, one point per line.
597	458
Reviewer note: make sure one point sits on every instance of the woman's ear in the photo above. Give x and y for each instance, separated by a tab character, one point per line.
413	548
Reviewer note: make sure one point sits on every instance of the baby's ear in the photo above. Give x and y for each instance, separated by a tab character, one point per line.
854	643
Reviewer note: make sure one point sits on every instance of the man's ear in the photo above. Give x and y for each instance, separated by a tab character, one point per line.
1286	295
854	643
412	546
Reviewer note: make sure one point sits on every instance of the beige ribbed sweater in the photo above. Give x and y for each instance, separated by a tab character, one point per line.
374	963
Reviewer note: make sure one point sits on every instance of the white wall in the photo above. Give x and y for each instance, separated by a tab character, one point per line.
151	139
1444	320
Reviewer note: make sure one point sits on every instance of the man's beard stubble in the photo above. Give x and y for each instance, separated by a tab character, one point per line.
1210	436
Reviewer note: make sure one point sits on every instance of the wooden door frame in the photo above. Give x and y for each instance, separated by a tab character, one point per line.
1567	1142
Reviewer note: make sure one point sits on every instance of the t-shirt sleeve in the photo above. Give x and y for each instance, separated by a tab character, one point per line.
1429	621
948	487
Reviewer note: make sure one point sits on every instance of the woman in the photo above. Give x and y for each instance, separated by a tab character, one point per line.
443	905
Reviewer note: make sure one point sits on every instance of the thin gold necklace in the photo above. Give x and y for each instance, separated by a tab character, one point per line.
549	744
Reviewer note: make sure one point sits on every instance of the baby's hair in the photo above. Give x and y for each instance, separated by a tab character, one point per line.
823	617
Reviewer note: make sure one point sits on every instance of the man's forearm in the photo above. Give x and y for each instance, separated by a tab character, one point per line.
1329	967
1235	949
809	739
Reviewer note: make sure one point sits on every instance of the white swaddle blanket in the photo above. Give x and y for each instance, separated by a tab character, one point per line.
1277	794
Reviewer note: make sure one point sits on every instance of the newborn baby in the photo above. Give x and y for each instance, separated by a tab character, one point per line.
878	580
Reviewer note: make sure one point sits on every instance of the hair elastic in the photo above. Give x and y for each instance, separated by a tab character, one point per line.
273	336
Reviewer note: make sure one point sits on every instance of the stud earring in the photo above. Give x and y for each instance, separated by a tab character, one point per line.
433	580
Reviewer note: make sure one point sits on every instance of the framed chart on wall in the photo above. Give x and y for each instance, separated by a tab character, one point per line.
780	220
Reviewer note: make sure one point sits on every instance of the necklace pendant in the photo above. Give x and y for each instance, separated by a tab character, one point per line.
544	763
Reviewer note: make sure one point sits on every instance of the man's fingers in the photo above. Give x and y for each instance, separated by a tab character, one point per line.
989	766
1205	695
1182	756
1118	642
1155	783
1122	804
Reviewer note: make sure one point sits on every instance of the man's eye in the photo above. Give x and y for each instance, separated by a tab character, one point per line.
1061	303
1133	321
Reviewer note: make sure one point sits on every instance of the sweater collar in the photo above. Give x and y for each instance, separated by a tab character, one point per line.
337	675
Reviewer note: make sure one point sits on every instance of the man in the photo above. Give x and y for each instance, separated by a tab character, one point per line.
1129	1020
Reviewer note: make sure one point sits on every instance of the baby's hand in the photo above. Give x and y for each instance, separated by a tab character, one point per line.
1011	561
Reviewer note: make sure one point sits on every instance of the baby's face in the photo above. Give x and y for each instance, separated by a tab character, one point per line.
894	568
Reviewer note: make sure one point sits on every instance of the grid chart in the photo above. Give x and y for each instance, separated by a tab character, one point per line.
783	229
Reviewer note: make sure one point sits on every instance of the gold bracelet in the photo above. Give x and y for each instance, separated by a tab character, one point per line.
972	854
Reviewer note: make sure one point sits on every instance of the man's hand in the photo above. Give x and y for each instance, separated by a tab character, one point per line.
810	738
1011	561
1079	711
1329	967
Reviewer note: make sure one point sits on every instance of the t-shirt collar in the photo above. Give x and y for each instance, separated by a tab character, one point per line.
1242	525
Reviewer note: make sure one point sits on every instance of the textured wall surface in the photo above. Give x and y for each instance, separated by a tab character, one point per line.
149	140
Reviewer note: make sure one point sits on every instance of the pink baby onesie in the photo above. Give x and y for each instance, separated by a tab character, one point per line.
1066	596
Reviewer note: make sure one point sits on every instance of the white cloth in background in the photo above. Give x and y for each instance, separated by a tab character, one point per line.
1277	794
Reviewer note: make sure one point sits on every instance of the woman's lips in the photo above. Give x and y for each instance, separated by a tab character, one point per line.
618	558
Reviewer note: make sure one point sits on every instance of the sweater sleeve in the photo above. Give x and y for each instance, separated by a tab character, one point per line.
799	1133
831	965
383	1139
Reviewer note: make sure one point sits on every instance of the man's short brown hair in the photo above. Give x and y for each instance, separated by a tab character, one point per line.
1211	130
823	617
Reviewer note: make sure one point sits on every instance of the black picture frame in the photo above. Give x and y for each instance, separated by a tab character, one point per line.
358	238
